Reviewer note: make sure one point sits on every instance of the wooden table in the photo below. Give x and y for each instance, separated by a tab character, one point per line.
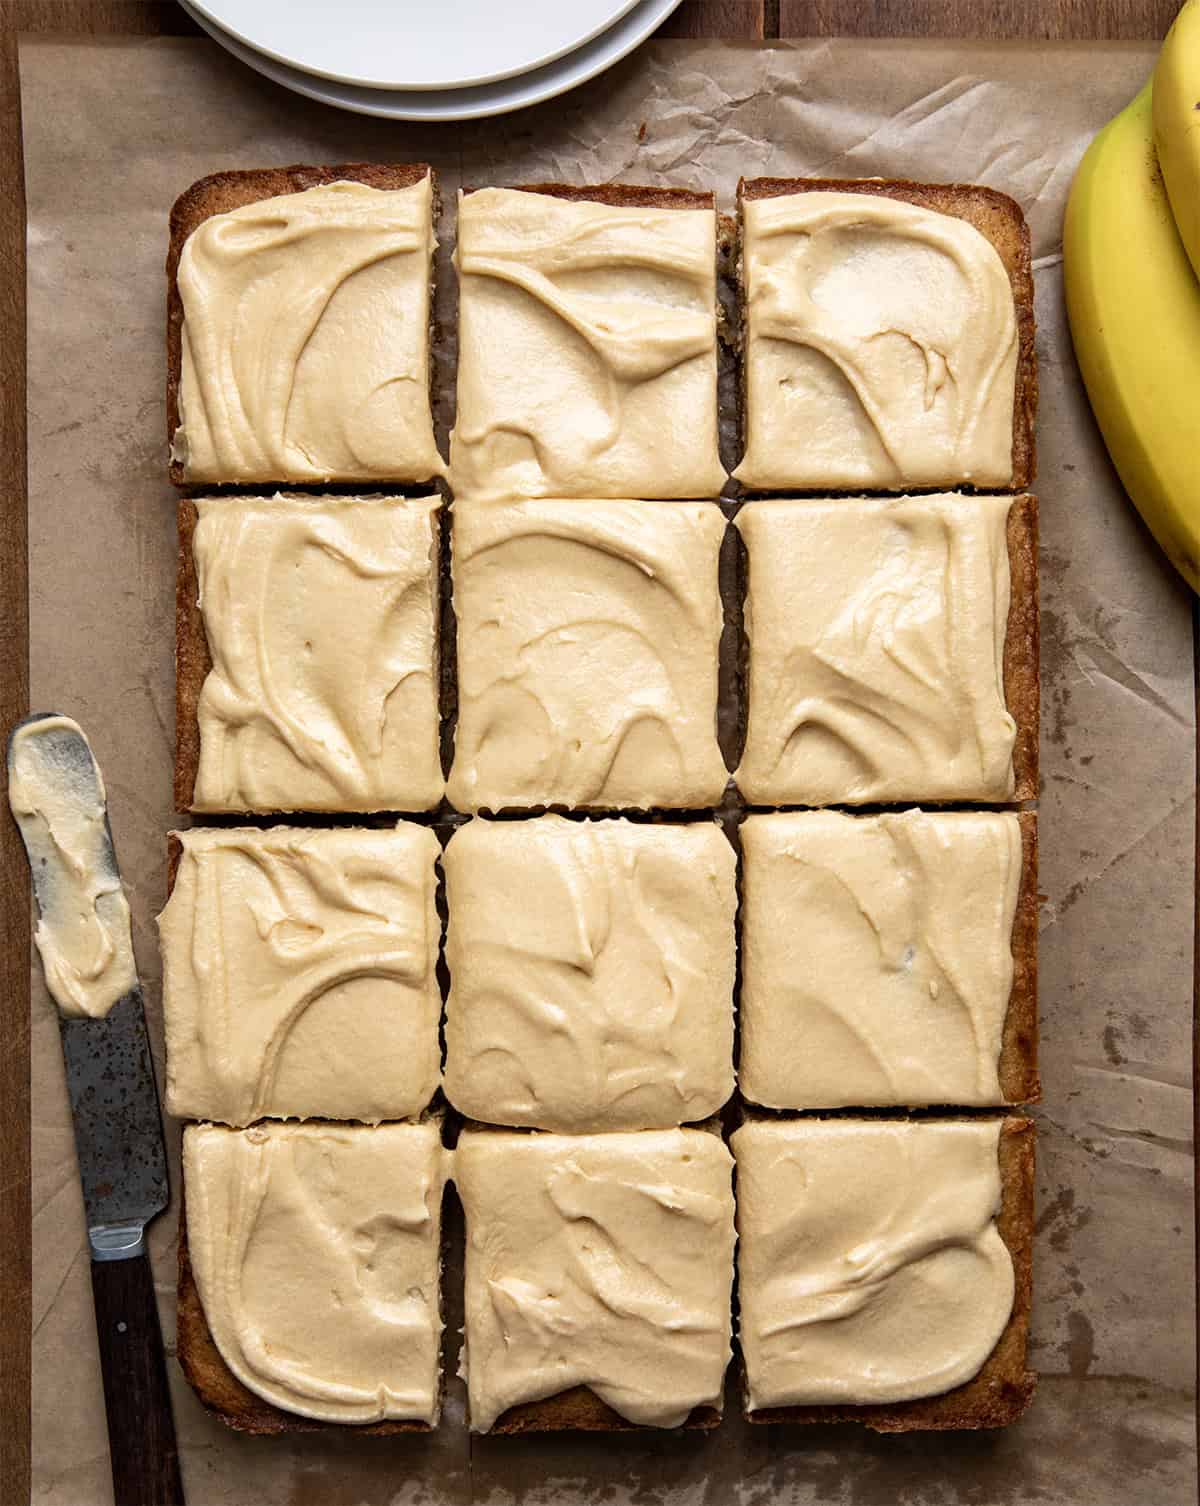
1107	20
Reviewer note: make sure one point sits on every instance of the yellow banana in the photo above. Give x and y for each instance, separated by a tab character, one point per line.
1177	124
1134	306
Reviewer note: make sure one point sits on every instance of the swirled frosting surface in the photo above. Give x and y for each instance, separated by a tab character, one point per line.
876	957
321	620
315	1249
587	349
870	1267
591	973
877	631
881	346
588	642
299	974
305	340
603	1261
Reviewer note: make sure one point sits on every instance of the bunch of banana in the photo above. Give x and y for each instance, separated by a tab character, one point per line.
1133	298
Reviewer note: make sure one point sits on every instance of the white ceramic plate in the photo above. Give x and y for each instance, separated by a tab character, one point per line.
433	44
457	104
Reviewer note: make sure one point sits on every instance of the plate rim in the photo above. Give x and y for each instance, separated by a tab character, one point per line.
479	103
617	10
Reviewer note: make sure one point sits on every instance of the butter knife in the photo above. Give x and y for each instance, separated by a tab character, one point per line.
58	799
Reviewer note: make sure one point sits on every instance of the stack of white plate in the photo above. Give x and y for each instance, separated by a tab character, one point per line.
429	59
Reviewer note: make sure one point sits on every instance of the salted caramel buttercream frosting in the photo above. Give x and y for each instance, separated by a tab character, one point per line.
881	346
321	620
870	1267
591	973
603	1261
588	646
57	797
876	957
299	974
316	1253
305	339
876	666
587	345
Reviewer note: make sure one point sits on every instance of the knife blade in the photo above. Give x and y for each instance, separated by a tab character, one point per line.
58	799
118	1126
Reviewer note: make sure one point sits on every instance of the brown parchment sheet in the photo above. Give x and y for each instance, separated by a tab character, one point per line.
114	130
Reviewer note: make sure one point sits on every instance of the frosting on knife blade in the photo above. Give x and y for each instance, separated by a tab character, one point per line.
58	799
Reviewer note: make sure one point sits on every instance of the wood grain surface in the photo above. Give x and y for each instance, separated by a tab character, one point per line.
734	19
15	1272
1056	20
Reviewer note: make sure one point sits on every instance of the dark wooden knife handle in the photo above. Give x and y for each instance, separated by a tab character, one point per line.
141	1427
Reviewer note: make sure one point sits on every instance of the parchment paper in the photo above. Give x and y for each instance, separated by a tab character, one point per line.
113	131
